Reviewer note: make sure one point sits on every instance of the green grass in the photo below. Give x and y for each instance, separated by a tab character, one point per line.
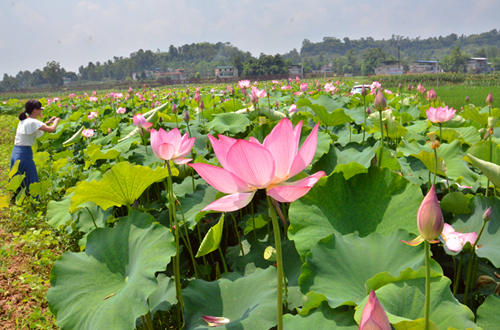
454	95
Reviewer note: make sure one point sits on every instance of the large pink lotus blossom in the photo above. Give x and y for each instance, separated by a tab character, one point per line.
249	165
441	114
171	145
256	94
375	86
329	87
421	89
141	122
454	240
121	110
93	98
374	316
244	83
303	87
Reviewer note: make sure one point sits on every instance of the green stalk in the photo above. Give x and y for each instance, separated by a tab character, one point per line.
435	169
238	234
381	139
471	262
441	132
427	309
147	323
364	125
458	275
279	263
188	244
177	273
223	260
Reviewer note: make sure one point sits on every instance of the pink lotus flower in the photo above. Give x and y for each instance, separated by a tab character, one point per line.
121	110
256	94
249	165
71	95
454	240
197	97
141	122
244	83
374	316
329	87
375	86
303	87
441	114
421	89
88	133
215	321
93	98
292	109
171	145
92	115
431	95
286	87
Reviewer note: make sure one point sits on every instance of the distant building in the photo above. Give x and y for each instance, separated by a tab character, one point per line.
389	68
478	65
296	70
325	69
226	71
425	67
178	75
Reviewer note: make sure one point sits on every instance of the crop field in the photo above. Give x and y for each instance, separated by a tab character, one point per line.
256	205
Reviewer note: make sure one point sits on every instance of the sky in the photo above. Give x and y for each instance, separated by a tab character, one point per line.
76	32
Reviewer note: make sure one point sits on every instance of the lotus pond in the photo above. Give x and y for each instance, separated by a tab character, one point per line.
283	204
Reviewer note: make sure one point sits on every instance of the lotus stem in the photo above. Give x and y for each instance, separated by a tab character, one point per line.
427	309
470	276
381	140
441	132
177	273
188	243
238	234
364	125
279	263
458	275
223	260
436	168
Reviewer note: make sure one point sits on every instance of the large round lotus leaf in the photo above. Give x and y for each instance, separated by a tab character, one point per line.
351	160
379	201
404	301
338	267
249	302
322	318
489	244
229	123
488	315
121	185
107	286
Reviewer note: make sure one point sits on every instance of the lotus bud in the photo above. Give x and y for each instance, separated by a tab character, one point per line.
487	214
489	99
400	86
215	321
409	87
491	122
467	98
186	116
174	108
431	94
429	217
380	102
276	104
202	105
374	316
368	111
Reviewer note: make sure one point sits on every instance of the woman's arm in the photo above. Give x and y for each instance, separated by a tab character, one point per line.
51	128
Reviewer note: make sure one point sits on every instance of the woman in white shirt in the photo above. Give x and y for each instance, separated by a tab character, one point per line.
29	128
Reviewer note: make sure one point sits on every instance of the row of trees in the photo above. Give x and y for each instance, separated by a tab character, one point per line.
357	57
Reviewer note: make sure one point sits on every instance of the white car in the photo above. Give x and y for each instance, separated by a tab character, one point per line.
357	89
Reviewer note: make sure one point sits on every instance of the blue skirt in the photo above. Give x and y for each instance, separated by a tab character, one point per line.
26	165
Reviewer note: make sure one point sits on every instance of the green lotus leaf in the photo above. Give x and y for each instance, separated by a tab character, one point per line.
322	318
338	267
231	122
75	137
336	117
164	296
107	286
404	301
456	202
481	150
349	161
94	153
379	201
490	170
212	238
456	168
193	203
121	185
487	314
489	244
249	302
